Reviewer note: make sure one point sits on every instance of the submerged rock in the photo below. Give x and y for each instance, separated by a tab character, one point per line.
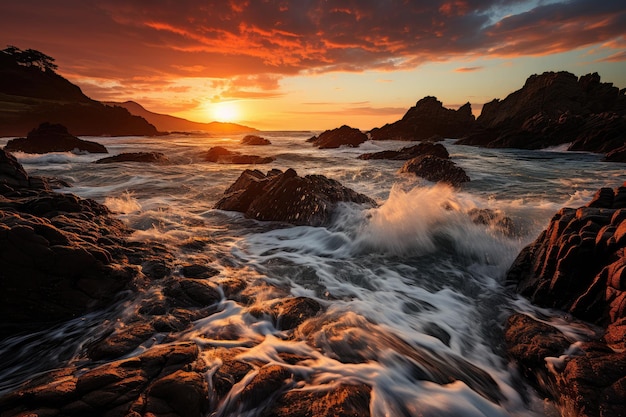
255	140
410	152
287	197
578	264
145	157
222	155
435	169
50	137
342	136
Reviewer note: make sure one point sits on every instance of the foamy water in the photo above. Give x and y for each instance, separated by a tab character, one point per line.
413	289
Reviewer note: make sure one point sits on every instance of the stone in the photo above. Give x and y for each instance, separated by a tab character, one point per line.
222	155
50	137
410	152
255	140
143	157
435	169
342	136
287	197
428	119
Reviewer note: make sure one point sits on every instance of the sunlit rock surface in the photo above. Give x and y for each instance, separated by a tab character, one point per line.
287	197
578	264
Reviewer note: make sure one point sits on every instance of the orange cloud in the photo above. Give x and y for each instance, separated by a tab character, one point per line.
468	69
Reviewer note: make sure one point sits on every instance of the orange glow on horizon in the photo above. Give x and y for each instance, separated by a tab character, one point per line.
225	111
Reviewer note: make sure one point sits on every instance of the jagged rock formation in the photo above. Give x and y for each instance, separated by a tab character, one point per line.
427	119
552	109
50	137
342	136
578	264
287	197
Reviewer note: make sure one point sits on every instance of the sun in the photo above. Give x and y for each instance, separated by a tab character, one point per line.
225	111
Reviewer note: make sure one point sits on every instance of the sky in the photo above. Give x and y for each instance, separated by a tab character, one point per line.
315	64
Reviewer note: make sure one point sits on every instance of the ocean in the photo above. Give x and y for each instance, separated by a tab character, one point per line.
414	291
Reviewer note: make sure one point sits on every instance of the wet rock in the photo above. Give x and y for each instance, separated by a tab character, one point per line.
192	292
585	381
435	169
342	136
286	197
121	342
426	119
616	155
339	401
49	137
577	265
222	155
291	312
229	372
255	140
493	218
198	271
143	157
167	380
269	381
410	152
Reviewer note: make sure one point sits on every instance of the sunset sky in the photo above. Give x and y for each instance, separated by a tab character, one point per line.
315	64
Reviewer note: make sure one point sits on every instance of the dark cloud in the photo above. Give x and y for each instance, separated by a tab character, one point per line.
237	38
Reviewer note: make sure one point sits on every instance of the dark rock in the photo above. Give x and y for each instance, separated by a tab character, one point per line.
222	155
428	119
230	372
286	197
135	157
291	312
267	383
435	169
555	108
198	271
338	401
52	138
493	218
616	155
166	380
255	140
342	136
577	265
410	152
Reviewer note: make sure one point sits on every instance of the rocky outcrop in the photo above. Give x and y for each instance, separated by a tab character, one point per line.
143	157
426	119
342	136
50	137
255	140
555	108
578	265
222	155
436	169
410	152
287	197
61	256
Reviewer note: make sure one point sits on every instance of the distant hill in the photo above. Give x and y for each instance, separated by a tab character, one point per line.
167	123
32	93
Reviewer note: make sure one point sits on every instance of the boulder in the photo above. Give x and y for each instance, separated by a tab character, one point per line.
144	157
578	265
255	140
287	197
222	155
428	119
410	152
435	169
342	136
50	137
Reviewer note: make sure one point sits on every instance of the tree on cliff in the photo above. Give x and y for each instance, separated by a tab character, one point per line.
31	58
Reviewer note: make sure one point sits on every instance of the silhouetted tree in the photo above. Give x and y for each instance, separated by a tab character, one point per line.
31	58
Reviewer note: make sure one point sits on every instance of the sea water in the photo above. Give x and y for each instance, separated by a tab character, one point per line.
414	290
